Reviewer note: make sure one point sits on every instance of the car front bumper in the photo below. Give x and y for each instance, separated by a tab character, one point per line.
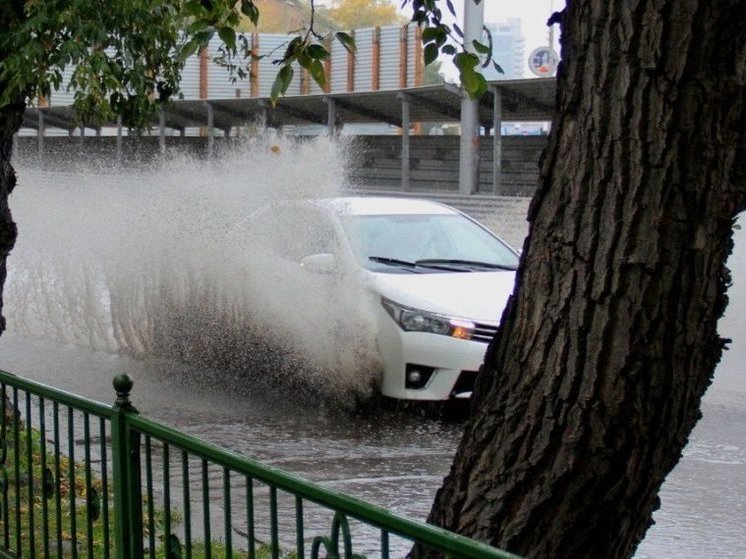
446	358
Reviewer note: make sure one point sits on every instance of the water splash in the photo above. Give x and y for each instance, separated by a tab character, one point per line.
147	263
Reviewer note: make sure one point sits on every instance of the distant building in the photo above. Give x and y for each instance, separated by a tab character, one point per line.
508	50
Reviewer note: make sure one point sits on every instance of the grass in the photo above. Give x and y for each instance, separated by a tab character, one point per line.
67	516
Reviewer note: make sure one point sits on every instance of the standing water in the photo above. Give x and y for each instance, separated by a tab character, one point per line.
141	272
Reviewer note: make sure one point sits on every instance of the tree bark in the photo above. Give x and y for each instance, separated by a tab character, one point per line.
593	383
11	117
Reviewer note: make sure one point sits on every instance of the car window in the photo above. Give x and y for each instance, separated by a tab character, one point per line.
413	238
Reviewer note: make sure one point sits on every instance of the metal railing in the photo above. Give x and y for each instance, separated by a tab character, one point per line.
83	479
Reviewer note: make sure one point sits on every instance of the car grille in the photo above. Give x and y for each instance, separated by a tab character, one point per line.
484	332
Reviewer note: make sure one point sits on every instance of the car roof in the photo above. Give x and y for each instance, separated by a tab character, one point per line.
382	205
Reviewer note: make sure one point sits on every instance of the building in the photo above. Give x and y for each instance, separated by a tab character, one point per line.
508	50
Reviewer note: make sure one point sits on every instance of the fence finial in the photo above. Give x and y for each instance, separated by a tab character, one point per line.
123	384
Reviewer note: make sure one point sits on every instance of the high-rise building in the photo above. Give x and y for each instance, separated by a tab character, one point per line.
508	50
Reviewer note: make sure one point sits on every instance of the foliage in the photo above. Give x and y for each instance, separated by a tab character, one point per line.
124	57
45	511
49	515
309	49
121	53
356	14
439	37
285	16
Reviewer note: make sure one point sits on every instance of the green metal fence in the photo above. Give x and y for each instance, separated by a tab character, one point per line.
83	479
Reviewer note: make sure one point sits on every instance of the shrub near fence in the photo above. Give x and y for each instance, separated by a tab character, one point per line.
83	479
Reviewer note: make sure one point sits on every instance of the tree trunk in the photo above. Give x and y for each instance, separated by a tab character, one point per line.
11	117
593	383
10	121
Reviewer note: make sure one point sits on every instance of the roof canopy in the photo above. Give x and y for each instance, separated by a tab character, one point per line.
521	100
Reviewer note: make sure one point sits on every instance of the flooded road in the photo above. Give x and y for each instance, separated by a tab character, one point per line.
395	459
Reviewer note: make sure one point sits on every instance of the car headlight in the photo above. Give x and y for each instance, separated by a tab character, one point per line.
416	320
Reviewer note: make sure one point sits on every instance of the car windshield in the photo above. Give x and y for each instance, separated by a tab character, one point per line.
426	243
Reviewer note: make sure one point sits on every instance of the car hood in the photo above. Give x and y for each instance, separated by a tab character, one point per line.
479	296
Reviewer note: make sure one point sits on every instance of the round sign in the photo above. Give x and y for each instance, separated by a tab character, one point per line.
543	61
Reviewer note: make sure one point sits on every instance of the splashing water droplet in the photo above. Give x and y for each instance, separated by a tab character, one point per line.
147	262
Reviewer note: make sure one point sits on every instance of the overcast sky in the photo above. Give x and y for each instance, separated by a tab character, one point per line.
532	13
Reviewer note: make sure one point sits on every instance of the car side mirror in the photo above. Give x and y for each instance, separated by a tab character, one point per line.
324	263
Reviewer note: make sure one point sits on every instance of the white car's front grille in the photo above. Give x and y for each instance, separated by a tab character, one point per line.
484	332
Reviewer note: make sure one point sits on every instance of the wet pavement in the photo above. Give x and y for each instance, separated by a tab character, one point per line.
394	459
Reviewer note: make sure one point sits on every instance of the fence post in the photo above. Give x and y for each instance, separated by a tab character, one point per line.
128	532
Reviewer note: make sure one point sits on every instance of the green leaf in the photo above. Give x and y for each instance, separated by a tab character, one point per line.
469	80
420	18
228	36
250	10
317	52
480	47
449	50
431	54
197	26
292	50
192	8
282	82
347	41
316	69
473	83
498	67
429	35
465	60
303	59
188	50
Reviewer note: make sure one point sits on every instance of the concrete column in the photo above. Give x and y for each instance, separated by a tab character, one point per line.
119	139
40	138
210	131
405	125
331	116
162	130
497	145
469	151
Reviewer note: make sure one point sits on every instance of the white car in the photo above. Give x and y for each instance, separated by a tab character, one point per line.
438	280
